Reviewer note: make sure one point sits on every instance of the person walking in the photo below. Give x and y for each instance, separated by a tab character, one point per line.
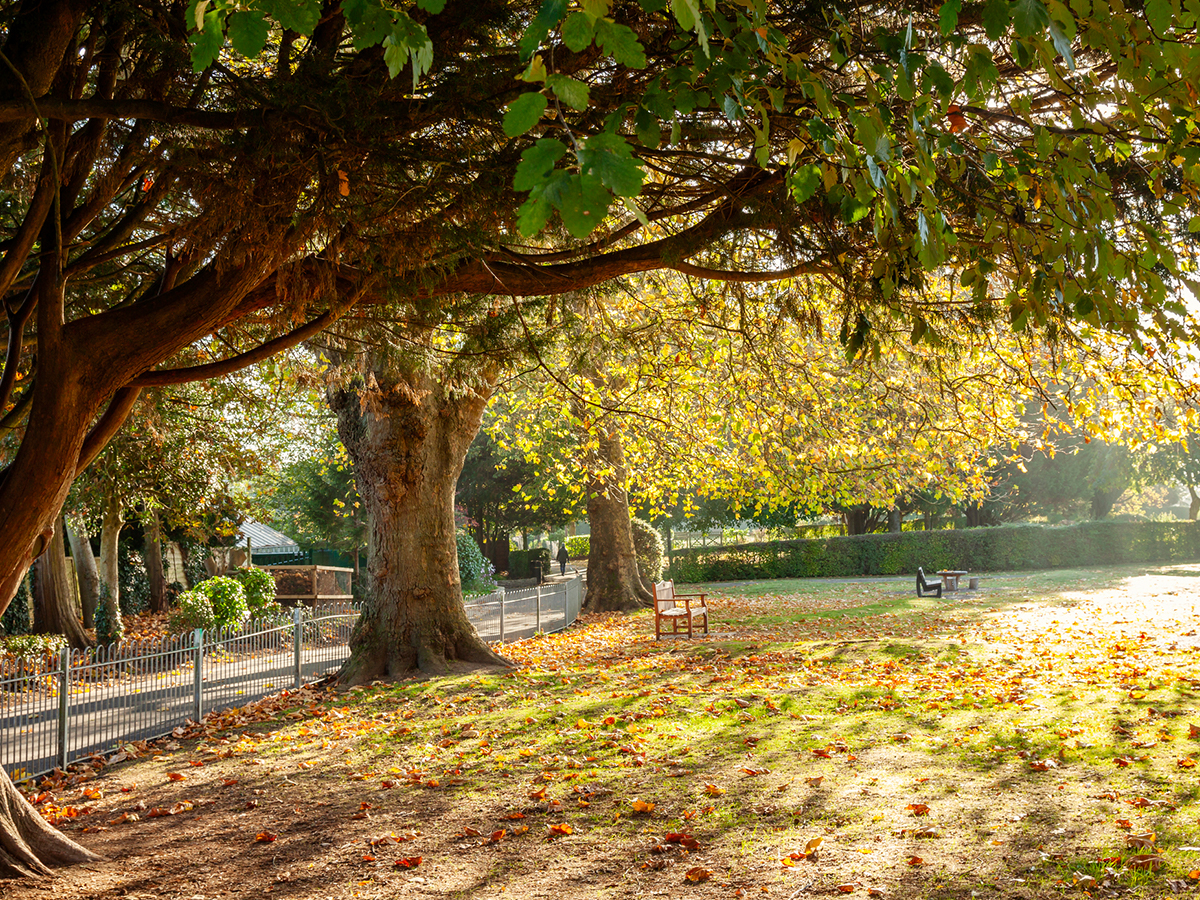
562	558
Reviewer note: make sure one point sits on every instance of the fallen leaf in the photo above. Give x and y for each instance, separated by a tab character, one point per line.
713	791
641	806
814	780
849	887
561	829
1185	762
176	776
916	861
698	873
918	809
1145	861
1140	841
265	837
408	862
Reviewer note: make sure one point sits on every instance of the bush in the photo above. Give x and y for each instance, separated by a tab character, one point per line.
32	645
578	546
474	569
16	619
195	611
228	599
1004	548
647	544
260	591
132	580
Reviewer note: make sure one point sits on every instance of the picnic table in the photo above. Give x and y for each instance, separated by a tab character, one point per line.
950	578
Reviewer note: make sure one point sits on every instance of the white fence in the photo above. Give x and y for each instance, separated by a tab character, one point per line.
81	703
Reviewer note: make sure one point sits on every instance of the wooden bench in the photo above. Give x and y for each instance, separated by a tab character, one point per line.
924	587
678	609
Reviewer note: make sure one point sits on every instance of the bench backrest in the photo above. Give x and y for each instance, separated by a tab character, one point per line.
664	594
921	578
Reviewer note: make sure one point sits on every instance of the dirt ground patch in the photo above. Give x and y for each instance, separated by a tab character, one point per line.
1031	739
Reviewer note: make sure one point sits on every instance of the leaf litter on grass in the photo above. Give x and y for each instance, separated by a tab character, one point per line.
633	765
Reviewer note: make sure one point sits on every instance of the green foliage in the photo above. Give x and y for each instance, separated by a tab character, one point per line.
647	544
315	500
1006	548
258	585
133	580
110	628
195	611
32	645
579	546
228	600
474	570
17	618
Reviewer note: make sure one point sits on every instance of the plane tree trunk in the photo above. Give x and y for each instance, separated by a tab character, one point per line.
86	572
407	437
613	582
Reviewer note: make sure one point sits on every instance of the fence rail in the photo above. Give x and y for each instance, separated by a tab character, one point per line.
68	706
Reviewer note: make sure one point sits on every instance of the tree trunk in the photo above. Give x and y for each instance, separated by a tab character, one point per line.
28	845
53	600
110	536
614	583
1194	507
407	437
86	572
153	554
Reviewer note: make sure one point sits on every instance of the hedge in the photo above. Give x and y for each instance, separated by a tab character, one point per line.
1005	548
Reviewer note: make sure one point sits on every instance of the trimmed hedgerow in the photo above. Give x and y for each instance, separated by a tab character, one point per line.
1006	548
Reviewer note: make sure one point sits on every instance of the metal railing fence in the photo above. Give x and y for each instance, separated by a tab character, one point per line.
64	707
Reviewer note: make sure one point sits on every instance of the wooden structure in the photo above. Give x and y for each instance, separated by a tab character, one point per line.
311	585
677	609
950	578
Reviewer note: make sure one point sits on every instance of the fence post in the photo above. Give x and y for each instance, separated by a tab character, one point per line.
502	617
539	609
198	675
297	639
64	703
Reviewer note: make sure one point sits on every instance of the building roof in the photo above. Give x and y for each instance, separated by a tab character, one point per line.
265	539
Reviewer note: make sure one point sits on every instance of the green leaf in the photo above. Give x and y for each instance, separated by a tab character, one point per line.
1029	17
432	6
805	181
995	18
948	16
523	113
547	17
648	131
585	202
1160	15
619	42
853	211
939	79
608	157
569	91
537	162
369	23
207	44
731	108
686	13
1194	224
1062	43
300	16
577	31
248	33
543	200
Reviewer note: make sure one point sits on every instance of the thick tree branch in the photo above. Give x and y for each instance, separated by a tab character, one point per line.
235	363
109	424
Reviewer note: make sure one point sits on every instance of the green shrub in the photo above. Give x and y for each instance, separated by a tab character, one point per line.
259	586
110	628
578	546
1004	548
228	599
16	619
133	580
474	569
647	544
195	611
32	645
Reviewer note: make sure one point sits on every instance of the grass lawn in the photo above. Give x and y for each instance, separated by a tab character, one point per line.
1033	738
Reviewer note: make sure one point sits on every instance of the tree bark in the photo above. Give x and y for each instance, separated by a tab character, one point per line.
407	437
86	572
110	536
614	582
153	554
28	845
53	600
1194	506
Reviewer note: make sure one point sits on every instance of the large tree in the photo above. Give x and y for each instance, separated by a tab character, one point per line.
154	198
